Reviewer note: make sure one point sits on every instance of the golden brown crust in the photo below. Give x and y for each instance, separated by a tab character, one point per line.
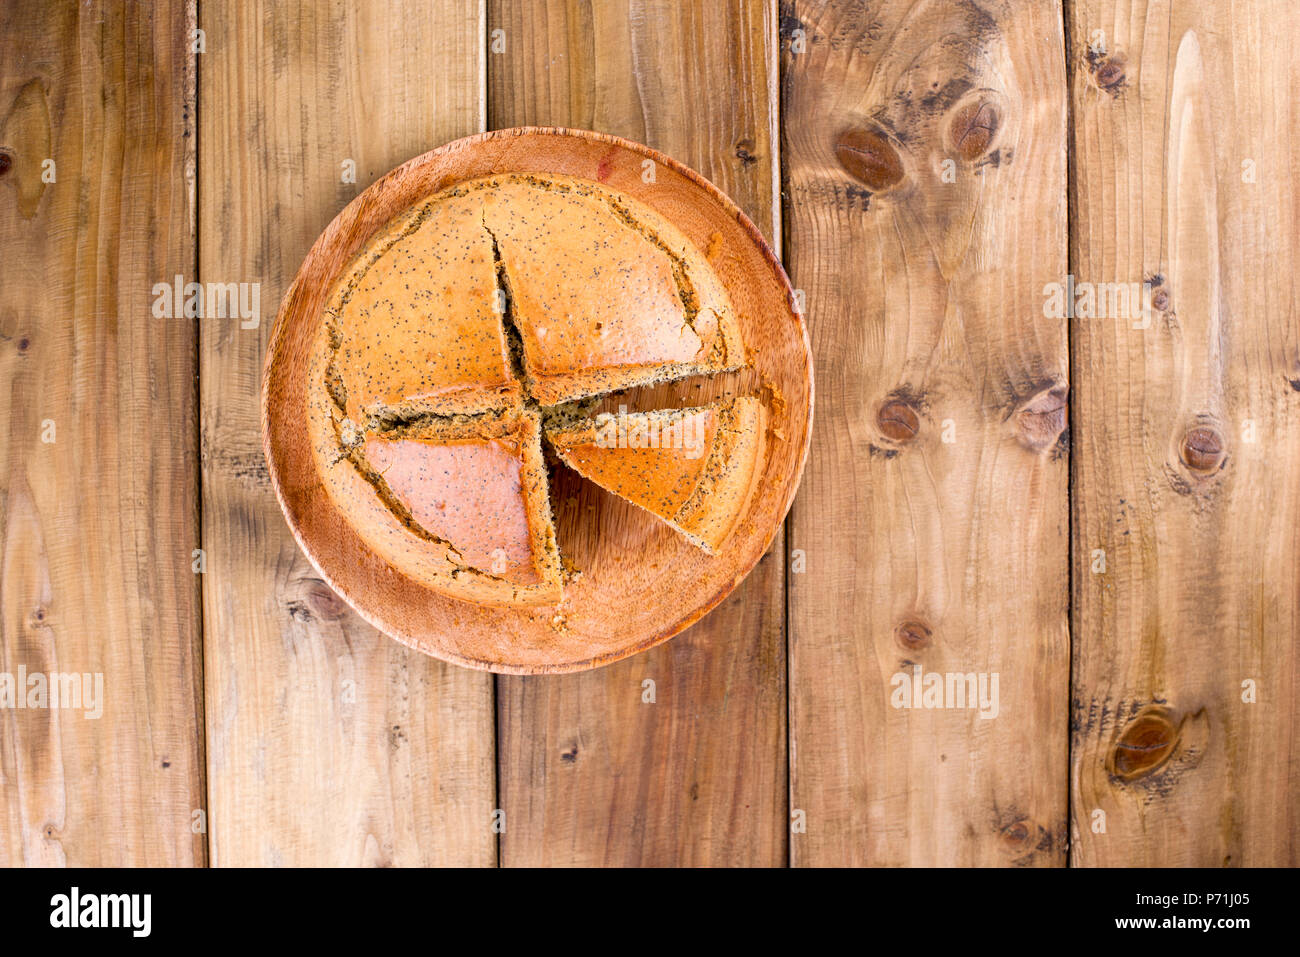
733	469
416	321
693	468
604	292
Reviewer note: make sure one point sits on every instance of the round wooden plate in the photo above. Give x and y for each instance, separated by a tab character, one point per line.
641	583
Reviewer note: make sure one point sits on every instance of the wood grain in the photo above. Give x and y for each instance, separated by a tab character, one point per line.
328	743
97	525
589	772
1184	130
324	742
924	149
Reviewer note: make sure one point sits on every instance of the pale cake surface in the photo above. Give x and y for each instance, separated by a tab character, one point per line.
460	506
468	492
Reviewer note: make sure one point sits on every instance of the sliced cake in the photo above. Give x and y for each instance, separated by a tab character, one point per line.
460	505
416	321
603	291
694	468
475	313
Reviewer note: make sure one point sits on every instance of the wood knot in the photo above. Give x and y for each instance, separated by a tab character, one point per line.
912	635
1041	419
1145	745
1018	835
1109	73
6	162
974	127
898	420
1155	284
869	157
324	603
1202	449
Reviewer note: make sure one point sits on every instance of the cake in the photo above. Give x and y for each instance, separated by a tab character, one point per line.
693	468
485	310
458	504
604	292
416	322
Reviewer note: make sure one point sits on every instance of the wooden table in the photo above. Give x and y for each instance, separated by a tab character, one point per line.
934	173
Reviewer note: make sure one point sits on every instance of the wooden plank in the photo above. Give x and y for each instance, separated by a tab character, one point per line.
924	149
329	744
589	772
98	452
1187	445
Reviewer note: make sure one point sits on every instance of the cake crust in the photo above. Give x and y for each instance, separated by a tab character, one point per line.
416	322
604	292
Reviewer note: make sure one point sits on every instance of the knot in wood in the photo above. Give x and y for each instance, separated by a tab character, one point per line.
912	635
898	421
1146	744
973	128
1202	449
869	157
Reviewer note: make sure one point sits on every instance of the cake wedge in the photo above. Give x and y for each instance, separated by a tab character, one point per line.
603	292
416	321
460	505
694	468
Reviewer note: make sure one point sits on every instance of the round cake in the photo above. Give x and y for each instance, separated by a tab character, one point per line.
487	319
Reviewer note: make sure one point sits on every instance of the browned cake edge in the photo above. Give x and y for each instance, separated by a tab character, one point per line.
697	288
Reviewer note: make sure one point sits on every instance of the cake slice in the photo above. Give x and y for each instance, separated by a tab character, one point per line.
460	505
604	293
694	468
415	322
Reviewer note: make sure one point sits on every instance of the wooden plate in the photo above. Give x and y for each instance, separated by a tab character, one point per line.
640	583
